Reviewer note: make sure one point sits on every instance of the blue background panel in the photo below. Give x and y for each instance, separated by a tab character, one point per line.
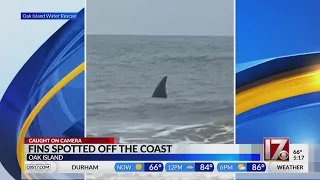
265	31
63	114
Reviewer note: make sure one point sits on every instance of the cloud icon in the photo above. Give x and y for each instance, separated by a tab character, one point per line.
241	167
189	167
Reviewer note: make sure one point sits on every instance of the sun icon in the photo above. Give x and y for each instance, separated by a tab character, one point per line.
241	167
138	167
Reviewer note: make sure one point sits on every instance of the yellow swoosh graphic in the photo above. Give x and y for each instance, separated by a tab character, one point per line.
63	82
295	85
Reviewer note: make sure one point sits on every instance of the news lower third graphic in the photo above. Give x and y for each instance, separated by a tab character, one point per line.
103	155
48	15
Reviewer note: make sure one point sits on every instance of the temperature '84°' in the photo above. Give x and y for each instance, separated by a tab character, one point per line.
203	167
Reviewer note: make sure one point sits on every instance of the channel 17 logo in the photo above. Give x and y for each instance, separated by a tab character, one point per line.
276	149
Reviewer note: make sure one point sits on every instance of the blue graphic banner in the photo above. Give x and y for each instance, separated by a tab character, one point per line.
143	157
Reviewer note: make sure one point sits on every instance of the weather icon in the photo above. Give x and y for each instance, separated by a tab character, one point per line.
189	167
138	167
241	167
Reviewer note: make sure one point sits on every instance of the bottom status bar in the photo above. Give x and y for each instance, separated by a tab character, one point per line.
123	167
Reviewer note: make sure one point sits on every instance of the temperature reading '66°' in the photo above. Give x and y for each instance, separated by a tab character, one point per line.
298	155
153	167
297	151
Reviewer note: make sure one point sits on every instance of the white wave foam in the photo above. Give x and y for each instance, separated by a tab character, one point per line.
132	133
173	129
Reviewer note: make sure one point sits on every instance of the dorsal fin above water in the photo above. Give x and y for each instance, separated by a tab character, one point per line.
161	90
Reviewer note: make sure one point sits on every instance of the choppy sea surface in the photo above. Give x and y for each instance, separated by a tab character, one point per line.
122	73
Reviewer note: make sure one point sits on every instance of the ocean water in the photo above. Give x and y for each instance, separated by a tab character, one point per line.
123	71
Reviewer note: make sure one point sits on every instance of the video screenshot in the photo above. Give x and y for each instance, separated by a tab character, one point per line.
160	90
